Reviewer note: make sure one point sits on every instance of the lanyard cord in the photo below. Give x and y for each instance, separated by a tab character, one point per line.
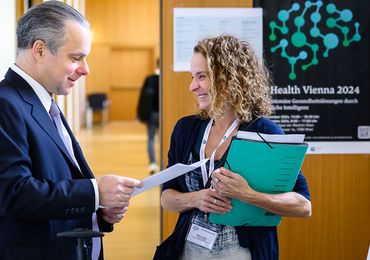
206	175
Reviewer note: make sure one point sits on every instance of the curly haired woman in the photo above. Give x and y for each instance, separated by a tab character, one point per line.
231	86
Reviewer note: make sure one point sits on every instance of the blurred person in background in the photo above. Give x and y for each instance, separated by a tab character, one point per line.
147	113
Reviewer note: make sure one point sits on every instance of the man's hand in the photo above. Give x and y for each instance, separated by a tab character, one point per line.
115	191
113	215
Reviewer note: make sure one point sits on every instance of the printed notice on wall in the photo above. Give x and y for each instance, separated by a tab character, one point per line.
318	53
193	24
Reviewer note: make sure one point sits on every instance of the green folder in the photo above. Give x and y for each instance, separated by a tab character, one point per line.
268	167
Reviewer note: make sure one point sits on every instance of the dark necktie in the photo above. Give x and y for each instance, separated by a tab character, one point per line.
62	131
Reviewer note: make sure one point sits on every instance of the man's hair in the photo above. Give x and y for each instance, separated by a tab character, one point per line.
46	22
238	78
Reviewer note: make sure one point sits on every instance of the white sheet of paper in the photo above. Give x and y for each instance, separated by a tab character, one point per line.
274	138
166	175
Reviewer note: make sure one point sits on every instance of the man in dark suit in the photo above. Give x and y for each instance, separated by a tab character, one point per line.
46	186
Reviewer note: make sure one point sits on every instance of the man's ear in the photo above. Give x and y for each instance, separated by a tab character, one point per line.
38	49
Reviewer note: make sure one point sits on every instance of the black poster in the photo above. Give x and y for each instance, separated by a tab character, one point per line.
318	53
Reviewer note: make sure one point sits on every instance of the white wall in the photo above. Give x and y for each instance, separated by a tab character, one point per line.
8	38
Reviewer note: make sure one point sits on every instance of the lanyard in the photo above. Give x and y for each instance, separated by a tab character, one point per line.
206	175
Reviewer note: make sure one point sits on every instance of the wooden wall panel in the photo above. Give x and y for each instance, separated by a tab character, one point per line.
121	77
340	226
129	66
98	80
128	22
19	5
125	49
124	103
339	184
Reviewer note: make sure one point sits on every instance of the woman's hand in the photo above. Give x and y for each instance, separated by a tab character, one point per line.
208	200
231	185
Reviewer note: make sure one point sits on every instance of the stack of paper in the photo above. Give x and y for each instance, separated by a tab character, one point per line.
288	139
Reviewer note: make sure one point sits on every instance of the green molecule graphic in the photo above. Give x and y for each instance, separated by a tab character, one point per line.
337	22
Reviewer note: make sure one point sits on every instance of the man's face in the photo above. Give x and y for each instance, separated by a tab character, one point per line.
61	71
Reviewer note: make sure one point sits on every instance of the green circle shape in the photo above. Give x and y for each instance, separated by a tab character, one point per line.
298	39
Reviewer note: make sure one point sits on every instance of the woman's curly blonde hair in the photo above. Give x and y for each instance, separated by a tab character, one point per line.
238	79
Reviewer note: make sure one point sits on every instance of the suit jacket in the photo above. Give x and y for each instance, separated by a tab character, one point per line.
38	198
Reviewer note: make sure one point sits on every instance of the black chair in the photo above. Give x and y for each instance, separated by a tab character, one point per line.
97	102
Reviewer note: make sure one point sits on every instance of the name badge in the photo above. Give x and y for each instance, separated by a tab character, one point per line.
203	234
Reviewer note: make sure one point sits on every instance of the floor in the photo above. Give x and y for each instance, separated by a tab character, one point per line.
120	148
